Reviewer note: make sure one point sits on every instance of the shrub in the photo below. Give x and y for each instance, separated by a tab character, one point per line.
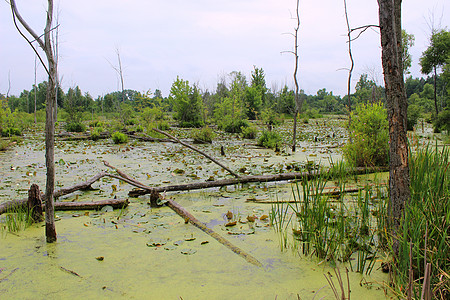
369	136
203	135
271	118
75	127
4	144
442	121
163	125
249	132
412	116
119	138
234	125
269	139
95	134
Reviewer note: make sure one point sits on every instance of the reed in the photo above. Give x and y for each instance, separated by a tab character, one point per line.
426	225
16	219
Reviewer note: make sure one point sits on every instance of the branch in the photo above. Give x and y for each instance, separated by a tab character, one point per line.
15	14
363	29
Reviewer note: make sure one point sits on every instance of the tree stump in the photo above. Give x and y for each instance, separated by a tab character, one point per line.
34	204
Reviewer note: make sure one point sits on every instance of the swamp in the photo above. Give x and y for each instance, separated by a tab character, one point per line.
140	250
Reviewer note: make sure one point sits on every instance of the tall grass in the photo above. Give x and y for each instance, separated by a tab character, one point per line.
327	228
15	220
426	224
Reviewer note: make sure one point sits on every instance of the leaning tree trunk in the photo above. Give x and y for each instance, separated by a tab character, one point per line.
390	28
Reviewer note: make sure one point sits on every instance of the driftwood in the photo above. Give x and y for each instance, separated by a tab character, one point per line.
245	179
197	150
188	217
94	205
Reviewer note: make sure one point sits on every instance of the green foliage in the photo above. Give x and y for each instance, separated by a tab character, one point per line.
75	127
203	135
437	53
119	138
162	125
442	121
369	136
95	134
4	144
270	139
187	103
412	116
249	132
271	118
12	123
233	125
407	42
426	222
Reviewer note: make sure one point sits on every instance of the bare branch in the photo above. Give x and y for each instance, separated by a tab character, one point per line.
15	15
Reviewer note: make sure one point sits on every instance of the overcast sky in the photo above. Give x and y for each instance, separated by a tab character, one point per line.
203	40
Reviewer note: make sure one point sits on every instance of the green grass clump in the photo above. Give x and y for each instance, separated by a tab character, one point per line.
203	135
119	138
75	127
269	139
15	220
249	132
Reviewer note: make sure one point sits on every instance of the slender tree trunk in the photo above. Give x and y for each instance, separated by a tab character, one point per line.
50	231
46	46
435	92
349	80
390	28
298	101
35	90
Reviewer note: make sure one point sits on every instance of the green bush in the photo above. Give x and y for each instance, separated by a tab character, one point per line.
163	125
442	121
4	144
412	116
203	135
234	125
249	132
119	138
269	139
369	136
75	127
95	134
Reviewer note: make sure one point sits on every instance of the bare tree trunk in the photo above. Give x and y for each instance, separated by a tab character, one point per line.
298	101
35	90
46	46
390	28
435	92
349	80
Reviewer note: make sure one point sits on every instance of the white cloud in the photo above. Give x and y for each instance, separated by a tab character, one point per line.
201	40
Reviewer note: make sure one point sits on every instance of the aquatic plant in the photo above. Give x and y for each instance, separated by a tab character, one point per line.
119	138
269	139
424	237
16	219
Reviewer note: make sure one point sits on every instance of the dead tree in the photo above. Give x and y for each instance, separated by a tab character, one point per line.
50	68
298	100
352	64
391	30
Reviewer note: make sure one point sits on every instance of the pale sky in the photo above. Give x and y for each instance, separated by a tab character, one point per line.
202	40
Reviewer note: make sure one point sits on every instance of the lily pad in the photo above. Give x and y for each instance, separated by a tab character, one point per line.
188	251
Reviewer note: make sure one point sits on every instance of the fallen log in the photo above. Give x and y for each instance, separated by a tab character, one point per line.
60	206
94	205
149	138
191	219
246	179
197	150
